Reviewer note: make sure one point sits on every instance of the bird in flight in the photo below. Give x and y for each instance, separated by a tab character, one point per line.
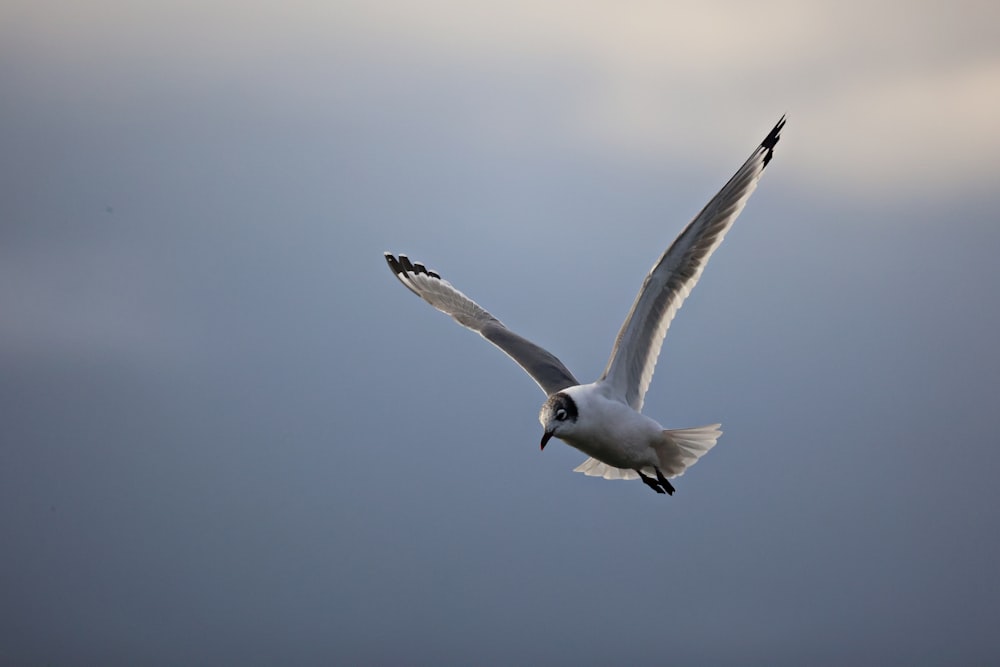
604	419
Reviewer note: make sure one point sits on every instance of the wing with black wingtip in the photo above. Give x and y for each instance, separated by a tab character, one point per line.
671	279
544	368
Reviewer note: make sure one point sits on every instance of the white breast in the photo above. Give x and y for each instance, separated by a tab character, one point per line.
611	431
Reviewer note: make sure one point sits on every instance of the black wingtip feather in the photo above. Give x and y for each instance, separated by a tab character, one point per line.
771	140
393	264
399	270
403	265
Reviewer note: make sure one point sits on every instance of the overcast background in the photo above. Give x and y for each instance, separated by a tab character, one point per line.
229	436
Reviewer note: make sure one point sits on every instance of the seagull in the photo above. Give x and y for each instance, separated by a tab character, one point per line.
604	419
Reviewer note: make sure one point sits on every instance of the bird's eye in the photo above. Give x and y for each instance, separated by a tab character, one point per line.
560	414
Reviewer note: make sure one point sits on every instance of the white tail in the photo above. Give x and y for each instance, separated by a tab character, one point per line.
681	448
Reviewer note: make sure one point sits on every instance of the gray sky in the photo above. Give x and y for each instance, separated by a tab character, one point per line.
228	436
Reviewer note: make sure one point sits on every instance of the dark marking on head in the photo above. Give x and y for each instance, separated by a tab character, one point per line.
771	140
562	401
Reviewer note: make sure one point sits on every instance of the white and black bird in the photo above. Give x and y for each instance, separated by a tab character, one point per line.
603	419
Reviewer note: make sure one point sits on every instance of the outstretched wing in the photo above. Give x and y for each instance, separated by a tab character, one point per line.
544	368
671	279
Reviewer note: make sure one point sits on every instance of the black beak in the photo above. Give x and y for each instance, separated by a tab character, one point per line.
546	437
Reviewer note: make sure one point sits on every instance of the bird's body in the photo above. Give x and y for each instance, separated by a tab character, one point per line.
622	442
603	419
608	430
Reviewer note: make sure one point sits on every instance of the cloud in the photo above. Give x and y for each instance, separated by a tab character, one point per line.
932	129
880	101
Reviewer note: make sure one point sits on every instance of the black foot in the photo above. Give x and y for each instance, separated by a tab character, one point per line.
664	483
652	483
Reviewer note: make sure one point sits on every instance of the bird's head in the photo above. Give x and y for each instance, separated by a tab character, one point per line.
558	416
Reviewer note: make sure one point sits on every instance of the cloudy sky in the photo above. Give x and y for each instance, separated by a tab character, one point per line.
228	436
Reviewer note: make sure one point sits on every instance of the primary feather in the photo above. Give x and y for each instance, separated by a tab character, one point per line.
637	347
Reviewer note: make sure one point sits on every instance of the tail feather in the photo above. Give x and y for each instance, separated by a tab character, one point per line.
681	448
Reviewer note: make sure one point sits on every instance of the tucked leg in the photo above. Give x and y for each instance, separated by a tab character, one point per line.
664	483
650	482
